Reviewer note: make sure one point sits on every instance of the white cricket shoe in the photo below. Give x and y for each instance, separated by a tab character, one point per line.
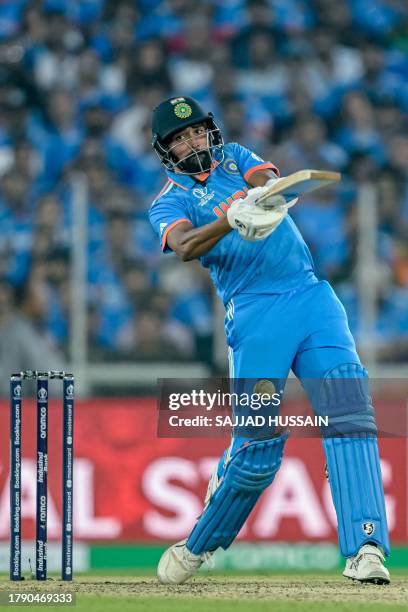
367	566
178	564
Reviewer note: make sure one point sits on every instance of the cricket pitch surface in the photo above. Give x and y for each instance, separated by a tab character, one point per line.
223	593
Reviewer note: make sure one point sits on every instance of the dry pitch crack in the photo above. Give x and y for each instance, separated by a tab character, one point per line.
304	588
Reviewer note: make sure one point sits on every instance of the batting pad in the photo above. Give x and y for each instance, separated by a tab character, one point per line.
343	396
358	496
249	472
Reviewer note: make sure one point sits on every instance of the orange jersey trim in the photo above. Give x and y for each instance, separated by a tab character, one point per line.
265	166
166	184
205	175
164	237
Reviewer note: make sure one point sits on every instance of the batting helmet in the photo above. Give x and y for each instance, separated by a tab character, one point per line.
175	114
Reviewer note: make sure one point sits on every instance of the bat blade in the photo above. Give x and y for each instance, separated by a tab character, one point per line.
298	183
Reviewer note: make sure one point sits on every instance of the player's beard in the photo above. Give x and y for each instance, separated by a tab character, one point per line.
199	161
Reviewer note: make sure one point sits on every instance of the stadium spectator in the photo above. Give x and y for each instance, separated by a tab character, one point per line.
24	342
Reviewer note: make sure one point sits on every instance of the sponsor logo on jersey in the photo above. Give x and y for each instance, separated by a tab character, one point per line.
257	157
202	194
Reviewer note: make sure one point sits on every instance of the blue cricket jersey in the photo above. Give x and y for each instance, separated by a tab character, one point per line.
280	263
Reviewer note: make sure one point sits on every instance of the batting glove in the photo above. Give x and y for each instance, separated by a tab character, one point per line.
252	222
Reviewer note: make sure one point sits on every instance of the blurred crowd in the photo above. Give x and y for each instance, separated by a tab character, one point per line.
304	83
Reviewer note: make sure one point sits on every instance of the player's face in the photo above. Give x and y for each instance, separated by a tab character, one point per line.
192	138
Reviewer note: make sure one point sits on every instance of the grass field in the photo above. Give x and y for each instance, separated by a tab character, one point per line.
222	593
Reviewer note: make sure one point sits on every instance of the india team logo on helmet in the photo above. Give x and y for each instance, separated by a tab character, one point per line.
183	110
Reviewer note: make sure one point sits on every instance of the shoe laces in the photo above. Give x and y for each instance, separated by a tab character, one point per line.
190	559
208	558
374	555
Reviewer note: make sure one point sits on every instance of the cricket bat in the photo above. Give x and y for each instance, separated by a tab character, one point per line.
298	183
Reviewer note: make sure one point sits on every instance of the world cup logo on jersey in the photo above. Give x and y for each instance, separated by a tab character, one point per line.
202	194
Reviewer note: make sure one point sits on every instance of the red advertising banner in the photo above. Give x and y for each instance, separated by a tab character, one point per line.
130	485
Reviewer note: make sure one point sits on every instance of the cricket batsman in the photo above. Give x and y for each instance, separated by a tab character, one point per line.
279	316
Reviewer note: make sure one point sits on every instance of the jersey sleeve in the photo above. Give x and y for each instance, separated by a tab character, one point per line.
249	162
164	215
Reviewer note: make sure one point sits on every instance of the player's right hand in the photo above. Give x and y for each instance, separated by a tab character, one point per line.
252	222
